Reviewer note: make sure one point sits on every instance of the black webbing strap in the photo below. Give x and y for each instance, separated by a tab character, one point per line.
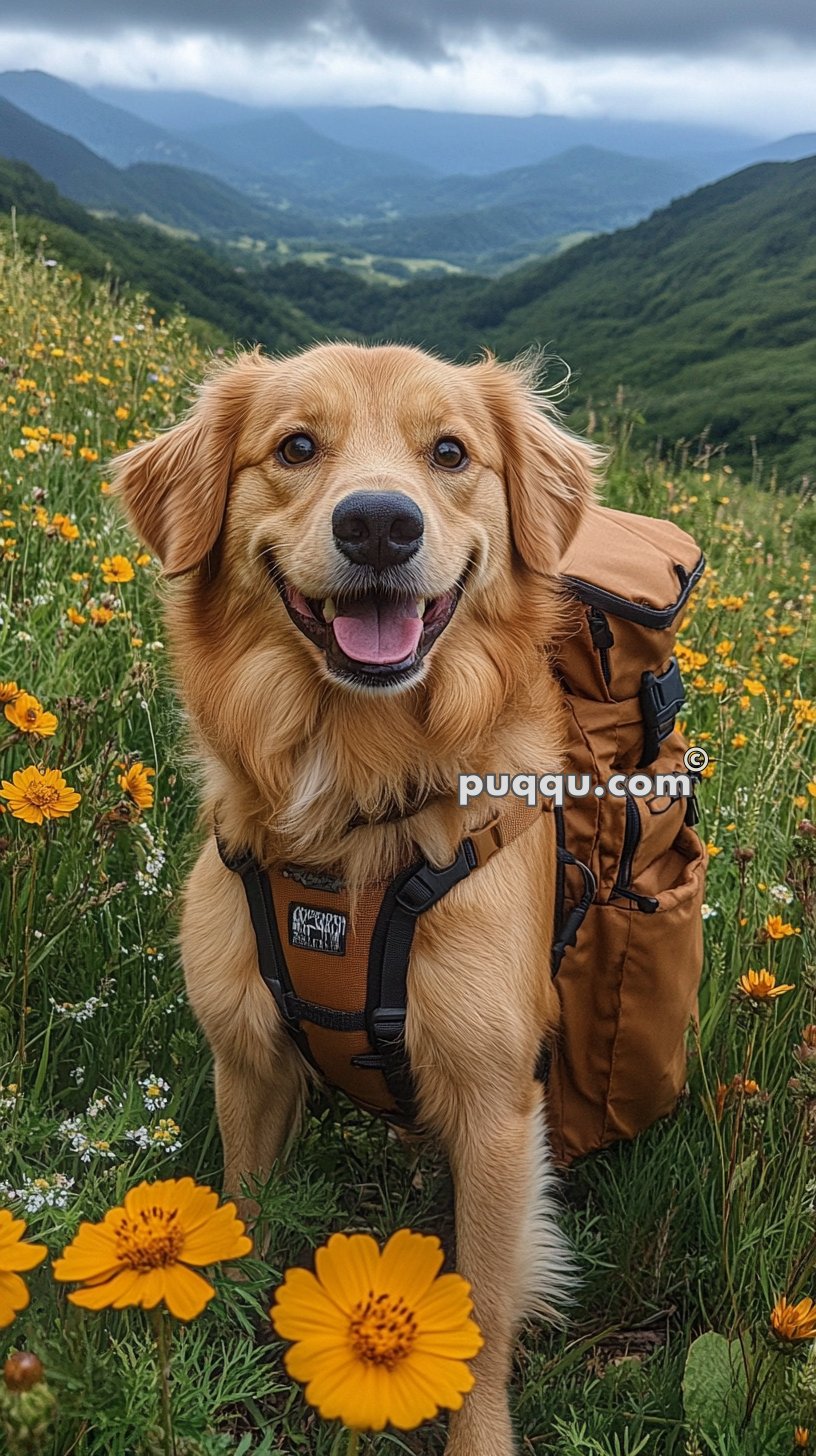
409	895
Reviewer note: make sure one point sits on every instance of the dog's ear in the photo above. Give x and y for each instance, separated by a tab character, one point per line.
550	474
174	488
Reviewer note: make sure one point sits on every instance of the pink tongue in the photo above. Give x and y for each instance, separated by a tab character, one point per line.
378	632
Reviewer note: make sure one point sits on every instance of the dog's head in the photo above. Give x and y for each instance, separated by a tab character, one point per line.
372	495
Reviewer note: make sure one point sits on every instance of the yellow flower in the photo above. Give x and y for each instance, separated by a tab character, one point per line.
753	686
15	1258
811	788
121	413
761	986
134	781
794	1321
76	617
801	1436
739	740
117	568
8	692
36	794
776	929
713	849
143	559
142	1250
25	712
86	453
67	529
380	1337
101	615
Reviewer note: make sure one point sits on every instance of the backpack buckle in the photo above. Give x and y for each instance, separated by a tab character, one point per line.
661	695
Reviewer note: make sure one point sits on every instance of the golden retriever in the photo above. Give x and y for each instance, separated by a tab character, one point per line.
363	543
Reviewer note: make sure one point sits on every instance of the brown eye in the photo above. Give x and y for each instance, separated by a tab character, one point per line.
296	449
449	453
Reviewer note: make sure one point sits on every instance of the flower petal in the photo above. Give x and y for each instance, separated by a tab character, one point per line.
410	1262
115	1293
347	1268
302	1308
14	1296
186	1294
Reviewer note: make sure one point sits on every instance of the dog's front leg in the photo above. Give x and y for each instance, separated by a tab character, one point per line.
258	1112
507	1248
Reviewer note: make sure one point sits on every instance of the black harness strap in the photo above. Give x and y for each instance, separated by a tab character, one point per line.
409	895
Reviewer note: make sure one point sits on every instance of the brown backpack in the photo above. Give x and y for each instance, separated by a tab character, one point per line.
628	980
627	942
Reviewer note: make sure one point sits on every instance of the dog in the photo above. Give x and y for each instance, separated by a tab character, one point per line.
362	545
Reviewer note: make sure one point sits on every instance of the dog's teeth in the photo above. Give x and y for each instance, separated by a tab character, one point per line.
329	610
421	605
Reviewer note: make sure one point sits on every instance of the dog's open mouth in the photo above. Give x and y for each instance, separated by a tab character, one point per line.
374	638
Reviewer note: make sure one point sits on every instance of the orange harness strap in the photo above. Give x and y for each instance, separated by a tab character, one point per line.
340	980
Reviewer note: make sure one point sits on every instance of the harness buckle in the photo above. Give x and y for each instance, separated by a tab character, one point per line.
425	886
388	1025
487	840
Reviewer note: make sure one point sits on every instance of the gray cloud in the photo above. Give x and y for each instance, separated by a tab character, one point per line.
427	29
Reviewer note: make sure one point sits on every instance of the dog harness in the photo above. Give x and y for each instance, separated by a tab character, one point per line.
339	979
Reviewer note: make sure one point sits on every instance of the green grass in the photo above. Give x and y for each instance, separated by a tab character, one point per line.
696	1228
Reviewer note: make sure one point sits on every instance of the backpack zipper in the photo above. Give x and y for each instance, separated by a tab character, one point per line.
658	618
631	840
602	640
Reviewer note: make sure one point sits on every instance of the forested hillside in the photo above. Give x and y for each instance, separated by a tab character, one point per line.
705	313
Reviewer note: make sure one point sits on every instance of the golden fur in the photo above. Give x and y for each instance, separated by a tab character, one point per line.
289	756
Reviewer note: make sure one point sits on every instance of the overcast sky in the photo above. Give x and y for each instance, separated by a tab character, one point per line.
746	63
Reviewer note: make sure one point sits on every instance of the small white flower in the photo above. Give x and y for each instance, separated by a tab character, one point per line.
782	893
154	1090
53	1191
707	911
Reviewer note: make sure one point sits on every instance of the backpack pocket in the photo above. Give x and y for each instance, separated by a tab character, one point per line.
628	992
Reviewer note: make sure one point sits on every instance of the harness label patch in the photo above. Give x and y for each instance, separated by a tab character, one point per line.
314	929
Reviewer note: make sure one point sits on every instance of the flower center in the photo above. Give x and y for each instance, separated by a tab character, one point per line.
383	1329
43	795
31	715
152	1240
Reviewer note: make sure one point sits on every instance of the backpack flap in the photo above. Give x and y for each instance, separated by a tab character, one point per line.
626	582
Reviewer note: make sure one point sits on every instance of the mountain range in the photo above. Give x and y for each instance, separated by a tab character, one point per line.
701	317
382	190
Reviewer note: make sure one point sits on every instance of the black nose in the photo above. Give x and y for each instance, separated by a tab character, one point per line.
377	528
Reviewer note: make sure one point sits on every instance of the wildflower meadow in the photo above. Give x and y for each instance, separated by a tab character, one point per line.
124	1326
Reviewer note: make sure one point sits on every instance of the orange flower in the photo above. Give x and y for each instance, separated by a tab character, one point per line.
135	782
37	794
794	1321
8	692
67	529
761	986
101	615
26	713
76	617
117	568
142	1251
379	1336
776	929
15	1258
801	1436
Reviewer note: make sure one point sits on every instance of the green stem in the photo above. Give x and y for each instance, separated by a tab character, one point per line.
24	982
159	1323
353	1443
